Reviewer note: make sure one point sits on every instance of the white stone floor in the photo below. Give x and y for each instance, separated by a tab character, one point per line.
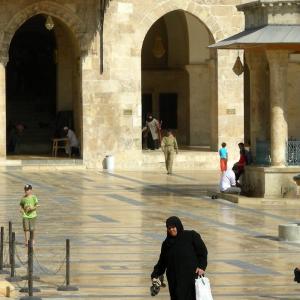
116	225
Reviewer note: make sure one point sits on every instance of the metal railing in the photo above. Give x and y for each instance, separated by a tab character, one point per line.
262	155
293	153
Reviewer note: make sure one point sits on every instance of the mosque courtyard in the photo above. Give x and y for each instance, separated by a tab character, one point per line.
115	222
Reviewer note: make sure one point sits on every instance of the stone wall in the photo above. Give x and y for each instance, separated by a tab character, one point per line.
293	100
111	102
270	182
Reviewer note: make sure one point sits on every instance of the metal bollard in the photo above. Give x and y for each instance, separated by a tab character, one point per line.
9	235
67	287
7	292
2	252
26	277
13	277
10	245
30	289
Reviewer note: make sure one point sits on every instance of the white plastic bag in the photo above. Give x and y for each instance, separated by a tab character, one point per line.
203	291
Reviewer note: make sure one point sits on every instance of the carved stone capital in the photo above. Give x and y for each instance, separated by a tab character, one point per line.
256	60
277	58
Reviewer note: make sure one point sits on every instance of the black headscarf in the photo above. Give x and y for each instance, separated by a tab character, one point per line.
175	222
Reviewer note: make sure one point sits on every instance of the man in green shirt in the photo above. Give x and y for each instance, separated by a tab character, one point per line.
169	146
28	206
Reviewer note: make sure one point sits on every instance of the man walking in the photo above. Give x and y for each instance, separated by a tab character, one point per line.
169	146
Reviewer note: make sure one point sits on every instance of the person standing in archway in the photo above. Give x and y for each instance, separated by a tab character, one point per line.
153	127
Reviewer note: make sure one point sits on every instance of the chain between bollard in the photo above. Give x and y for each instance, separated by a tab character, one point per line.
45	270
2	252
6	256
13	253
22	262
7	251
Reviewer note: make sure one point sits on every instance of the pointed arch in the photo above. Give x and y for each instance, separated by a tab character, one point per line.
67	16
201	12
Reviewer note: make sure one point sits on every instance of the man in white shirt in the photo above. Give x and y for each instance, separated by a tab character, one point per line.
73	145
228	183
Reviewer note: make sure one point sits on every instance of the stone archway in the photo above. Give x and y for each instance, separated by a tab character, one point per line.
181	85
202	12
73	22
67	21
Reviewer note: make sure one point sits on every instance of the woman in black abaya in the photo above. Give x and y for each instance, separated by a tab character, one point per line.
183	256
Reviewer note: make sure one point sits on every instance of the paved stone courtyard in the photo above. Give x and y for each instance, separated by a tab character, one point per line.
116	225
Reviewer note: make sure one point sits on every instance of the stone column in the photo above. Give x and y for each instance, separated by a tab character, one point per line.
212	64
278	64
3	62
199	104
259	113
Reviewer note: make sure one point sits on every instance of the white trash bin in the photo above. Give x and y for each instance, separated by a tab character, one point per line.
109	163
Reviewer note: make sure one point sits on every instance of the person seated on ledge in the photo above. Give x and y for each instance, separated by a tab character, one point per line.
228	183
73	145
239	167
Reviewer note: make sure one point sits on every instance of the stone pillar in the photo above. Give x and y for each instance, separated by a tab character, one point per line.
3	62
278	64
213	105
230	91
259	112
199	104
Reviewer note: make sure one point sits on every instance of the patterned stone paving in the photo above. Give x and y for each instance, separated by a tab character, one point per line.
116	225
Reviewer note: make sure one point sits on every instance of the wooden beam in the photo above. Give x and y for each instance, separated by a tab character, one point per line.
254	47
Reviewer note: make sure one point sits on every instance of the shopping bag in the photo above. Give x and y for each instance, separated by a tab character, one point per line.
203	291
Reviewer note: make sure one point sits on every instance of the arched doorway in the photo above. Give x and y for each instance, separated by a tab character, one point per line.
42	86
179	78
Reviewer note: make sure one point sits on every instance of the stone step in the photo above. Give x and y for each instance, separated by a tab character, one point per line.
148	161
32	163
185	160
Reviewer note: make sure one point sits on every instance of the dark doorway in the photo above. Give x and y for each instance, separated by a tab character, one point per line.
146	106
168	110
31	88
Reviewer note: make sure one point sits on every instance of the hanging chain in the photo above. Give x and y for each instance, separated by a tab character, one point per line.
46	270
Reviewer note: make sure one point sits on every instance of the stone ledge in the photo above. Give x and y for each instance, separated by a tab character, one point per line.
270	169
240	199
229	197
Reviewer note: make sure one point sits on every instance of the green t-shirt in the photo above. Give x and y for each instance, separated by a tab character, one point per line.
29	201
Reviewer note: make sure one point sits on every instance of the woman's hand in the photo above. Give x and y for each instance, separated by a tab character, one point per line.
199	272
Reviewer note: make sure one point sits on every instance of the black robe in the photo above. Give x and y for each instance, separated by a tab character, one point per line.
180	256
